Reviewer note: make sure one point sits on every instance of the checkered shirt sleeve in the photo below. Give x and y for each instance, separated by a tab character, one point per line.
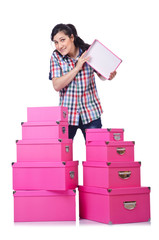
55	69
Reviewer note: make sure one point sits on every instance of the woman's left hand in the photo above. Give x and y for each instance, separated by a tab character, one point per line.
112	75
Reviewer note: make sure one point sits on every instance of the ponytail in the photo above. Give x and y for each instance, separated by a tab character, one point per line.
77	40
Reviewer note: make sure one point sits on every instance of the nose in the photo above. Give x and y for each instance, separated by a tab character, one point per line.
60	45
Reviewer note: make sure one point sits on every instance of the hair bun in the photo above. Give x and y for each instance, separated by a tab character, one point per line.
72	27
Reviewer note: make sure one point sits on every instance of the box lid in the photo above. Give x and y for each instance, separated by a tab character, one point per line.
44	141
111	164
114	191
110	143
105	130
47	108
49	123
45	193
102	59
44	164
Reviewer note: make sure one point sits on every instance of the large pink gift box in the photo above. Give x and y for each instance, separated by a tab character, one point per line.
45	176
36	206
115	206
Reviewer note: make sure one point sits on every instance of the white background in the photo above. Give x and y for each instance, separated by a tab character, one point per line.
130	101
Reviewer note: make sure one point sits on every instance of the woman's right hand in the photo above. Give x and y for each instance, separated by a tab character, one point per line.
81	61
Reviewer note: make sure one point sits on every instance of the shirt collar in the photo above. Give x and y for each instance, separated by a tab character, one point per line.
67	57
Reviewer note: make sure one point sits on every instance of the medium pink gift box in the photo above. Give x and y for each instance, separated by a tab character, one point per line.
44	130
45	175
41	114
105	134
111	175
115	206
44	150
36	206
120	151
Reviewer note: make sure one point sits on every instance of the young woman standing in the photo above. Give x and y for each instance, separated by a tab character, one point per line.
75	80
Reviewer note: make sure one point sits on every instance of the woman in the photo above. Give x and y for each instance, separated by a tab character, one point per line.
75	80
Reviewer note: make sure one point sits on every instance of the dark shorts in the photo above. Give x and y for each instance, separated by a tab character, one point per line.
94	124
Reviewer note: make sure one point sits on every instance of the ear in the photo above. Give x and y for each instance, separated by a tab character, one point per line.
72	38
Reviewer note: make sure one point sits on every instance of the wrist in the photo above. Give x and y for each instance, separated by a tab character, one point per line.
76	69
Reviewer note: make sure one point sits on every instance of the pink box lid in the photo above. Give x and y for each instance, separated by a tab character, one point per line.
43	193
52	123
44	141
47	108
111	164
45	164
114	191
105	130
110	143
102	59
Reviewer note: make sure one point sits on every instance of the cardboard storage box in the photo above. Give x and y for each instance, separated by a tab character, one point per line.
36	206
115	206
41	114
105	134
44	130
44	150
111	175
45	176
120	151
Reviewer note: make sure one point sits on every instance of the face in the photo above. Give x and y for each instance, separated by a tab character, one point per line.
63	43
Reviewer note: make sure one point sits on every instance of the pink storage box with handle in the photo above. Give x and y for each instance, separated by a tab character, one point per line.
105	134
115	206
36	206
44	130
110	151
111	175
45	176
44	150
42	114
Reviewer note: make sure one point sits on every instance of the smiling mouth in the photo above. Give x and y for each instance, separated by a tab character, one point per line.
62	50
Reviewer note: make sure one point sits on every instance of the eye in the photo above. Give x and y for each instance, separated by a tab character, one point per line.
62	40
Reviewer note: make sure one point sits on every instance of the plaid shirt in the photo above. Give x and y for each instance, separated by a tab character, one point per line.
80	95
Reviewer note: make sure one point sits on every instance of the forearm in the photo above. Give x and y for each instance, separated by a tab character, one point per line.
61	82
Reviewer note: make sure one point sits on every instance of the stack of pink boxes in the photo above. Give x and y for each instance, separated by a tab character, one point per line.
112	191
45	175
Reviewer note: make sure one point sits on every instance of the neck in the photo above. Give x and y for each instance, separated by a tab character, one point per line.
74	53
